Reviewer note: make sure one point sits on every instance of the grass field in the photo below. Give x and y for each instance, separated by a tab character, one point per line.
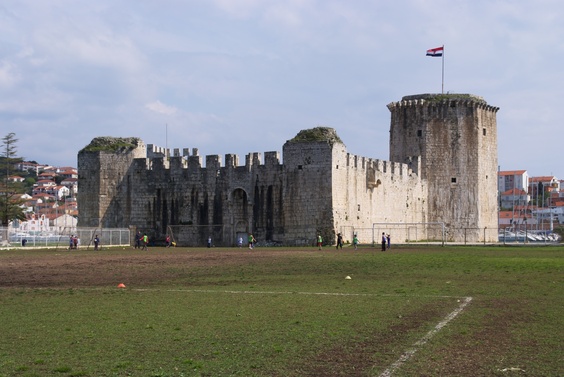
427	311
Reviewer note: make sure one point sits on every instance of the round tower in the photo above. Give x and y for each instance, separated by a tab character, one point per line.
456	137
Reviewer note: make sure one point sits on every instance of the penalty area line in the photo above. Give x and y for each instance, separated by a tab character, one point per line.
288	293
410	352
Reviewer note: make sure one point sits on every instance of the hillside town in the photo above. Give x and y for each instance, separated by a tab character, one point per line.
529	203
49	202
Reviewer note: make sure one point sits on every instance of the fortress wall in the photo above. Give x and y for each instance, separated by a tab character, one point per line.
154	151
456	138
268	221
159	158
368	191
307	203
104	196
231	160
442	168
488	165
89	194
215	200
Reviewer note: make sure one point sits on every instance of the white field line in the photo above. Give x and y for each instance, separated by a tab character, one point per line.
285	293
410	352
392	368
403	358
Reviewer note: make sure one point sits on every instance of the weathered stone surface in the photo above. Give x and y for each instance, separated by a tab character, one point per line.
442	168
456	138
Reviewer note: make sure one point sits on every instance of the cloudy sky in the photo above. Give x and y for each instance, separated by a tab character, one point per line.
240	76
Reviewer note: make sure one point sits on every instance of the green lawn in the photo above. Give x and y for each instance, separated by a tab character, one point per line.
279	312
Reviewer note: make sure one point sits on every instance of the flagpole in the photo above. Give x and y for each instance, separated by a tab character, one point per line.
443	72
436	52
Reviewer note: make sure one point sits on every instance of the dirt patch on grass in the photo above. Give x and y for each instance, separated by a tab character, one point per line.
107	268
375	352
485	344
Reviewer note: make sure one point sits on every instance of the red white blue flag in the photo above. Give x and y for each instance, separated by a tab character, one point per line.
435	52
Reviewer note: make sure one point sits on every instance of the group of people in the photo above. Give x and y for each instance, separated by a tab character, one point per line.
250	240
340	242
74	242
386	241
141	241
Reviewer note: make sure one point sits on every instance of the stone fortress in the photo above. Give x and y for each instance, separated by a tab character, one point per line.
440	182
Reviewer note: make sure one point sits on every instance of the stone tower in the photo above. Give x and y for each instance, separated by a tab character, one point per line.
439	183
455	136
104	172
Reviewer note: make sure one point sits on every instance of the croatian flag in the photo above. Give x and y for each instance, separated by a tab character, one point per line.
435	52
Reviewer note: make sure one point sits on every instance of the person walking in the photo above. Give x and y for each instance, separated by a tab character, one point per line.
145	241
251	241
209	242
388	239
138	238
96	242
319	242
339	241
355	242
384	241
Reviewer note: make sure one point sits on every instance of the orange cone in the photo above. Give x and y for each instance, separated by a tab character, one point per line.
121	285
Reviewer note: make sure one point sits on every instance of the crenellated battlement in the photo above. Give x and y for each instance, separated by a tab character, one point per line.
162	158
431	101
441	168
154	151
410	167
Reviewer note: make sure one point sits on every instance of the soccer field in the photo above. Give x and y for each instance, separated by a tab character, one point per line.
429	311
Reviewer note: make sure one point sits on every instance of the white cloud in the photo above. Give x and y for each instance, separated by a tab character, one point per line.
241	9
247	75
161	108
8	74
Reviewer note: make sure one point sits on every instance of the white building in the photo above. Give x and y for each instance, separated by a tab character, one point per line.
512	179
64	222
514	197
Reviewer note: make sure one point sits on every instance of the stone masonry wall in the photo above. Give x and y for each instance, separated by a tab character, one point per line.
220	201
101	175
369	191
456	137
308	192
442	168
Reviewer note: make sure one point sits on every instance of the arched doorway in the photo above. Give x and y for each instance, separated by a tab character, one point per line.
240	214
